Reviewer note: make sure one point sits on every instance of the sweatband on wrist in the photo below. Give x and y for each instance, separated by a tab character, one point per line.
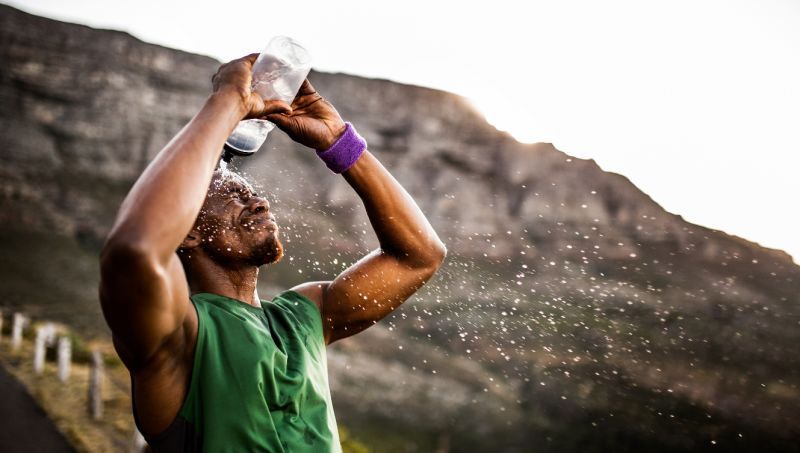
345	151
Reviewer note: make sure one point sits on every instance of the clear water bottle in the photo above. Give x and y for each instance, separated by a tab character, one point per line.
277	74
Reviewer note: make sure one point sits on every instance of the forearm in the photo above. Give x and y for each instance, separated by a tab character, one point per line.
161	207
403	231
401	227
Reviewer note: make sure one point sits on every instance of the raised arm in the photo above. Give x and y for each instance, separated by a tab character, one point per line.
143	289
410	251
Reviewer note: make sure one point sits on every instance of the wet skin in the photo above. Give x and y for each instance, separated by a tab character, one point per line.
183	222
236	224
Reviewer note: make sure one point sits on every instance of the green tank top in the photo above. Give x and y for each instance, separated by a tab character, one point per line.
259	380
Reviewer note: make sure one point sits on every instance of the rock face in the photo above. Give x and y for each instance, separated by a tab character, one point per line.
573	312
88	106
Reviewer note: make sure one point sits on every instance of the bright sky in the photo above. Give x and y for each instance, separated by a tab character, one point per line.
697	102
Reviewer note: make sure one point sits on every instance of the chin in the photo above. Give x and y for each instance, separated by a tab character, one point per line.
269	253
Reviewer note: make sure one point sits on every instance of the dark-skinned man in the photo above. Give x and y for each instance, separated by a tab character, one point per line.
213	367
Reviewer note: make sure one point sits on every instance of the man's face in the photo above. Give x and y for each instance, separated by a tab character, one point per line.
236	225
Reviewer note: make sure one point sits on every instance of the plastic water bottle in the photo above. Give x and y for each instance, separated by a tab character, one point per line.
277	74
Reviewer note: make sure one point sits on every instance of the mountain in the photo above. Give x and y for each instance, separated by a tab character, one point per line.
573	313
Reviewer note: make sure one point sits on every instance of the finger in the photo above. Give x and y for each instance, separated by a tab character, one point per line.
260	108
271	107
306	88
251	58
282	121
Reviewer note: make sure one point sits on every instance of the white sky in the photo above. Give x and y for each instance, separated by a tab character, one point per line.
697	102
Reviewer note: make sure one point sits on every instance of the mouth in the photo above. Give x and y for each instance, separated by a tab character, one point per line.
265	221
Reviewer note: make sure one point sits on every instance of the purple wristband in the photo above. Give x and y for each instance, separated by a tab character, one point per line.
345	151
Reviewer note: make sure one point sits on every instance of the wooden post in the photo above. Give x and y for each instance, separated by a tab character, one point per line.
44	335
38	349
50	335
20	321
64	358
95	386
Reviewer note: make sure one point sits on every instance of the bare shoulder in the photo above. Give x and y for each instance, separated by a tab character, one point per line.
315	291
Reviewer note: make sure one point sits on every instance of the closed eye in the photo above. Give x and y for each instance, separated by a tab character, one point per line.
240	193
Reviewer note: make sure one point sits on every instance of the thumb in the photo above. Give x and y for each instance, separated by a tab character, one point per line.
283	121
275	106
260	108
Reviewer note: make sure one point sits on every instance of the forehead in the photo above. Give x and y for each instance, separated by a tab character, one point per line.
224	181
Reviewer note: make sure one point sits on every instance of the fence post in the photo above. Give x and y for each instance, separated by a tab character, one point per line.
50	335
38	349
44	337
16	330
64	358
95	384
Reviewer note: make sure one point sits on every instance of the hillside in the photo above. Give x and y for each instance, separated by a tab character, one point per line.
573	312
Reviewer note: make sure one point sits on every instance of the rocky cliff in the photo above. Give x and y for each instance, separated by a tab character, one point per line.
573	312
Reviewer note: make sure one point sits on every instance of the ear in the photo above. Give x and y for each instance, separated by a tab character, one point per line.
192	240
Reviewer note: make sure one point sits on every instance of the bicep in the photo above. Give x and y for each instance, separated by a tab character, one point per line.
143	301
368	291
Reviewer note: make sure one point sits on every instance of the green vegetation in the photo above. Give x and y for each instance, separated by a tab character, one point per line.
51	276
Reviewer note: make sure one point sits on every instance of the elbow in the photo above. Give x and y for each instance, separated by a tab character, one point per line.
427	256
437	252
440	253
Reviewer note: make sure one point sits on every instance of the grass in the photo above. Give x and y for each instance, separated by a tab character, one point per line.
66	403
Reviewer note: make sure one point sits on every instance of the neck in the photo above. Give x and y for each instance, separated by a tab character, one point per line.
239	283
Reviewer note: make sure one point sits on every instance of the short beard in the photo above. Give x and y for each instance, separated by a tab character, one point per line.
270	251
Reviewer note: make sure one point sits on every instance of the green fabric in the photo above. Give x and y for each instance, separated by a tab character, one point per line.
259	381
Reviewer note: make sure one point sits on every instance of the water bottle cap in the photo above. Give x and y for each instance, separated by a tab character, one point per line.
240	151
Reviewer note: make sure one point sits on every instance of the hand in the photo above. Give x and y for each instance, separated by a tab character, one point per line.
313	121
234	79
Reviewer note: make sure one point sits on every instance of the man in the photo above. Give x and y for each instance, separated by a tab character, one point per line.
213	367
